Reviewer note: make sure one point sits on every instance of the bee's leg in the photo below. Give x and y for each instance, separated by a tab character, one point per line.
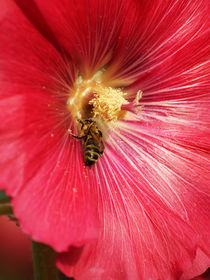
81	122
75	136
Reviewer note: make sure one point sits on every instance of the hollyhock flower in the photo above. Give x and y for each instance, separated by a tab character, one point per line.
139	69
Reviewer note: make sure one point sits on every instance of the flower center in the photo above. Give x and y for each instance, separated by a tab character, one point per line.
107	103
92	99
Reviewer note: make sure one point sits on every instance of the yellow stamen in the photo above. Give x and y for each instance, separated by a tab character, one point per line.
93	99
107	103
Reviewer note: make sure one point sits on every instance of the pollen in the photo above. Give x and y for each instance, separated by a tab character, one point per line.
107	103
93	99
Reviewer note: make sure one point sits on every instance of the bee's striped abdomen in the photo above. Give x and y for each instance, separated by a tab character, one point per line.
91	152
91	138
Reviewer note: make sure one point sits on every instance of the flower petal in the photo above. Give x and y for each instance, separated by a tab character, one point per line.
89	30
33	14
141	232
199	266
154	191
151	184
41	165
155	199
149	41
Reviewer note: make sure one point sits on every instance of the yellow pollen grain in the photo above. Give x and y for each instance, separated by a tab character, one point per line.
93	99
107	102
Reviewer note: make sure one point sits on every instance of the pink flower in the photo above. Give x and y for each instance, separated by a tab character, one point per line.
140	69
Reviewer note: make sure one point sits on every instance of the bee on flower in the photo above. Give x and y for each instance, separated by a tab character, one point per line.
130	80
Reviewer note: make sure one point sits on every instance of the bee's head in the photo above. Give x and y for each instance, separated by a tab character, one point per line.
85	123
88	121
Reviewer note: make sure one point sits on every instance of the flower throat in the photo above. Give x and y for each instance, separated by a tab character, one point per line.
91	99
95	106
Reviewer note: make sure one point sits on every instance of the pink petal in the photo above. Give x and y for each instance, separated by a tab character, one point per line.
148	211
161	29
144	36
41	166
151	186
155	177
89	30
204	276
200	263
155	200
34	15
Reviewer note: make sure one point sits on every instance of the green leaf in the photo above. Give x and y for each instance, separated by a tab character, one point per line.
6	209
3	197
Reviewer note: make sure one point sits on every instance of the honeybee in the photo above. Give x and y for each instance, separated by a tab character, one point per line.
91	138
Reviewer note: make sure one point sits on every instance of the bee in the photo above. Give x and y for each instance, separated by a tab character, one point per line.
91	138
